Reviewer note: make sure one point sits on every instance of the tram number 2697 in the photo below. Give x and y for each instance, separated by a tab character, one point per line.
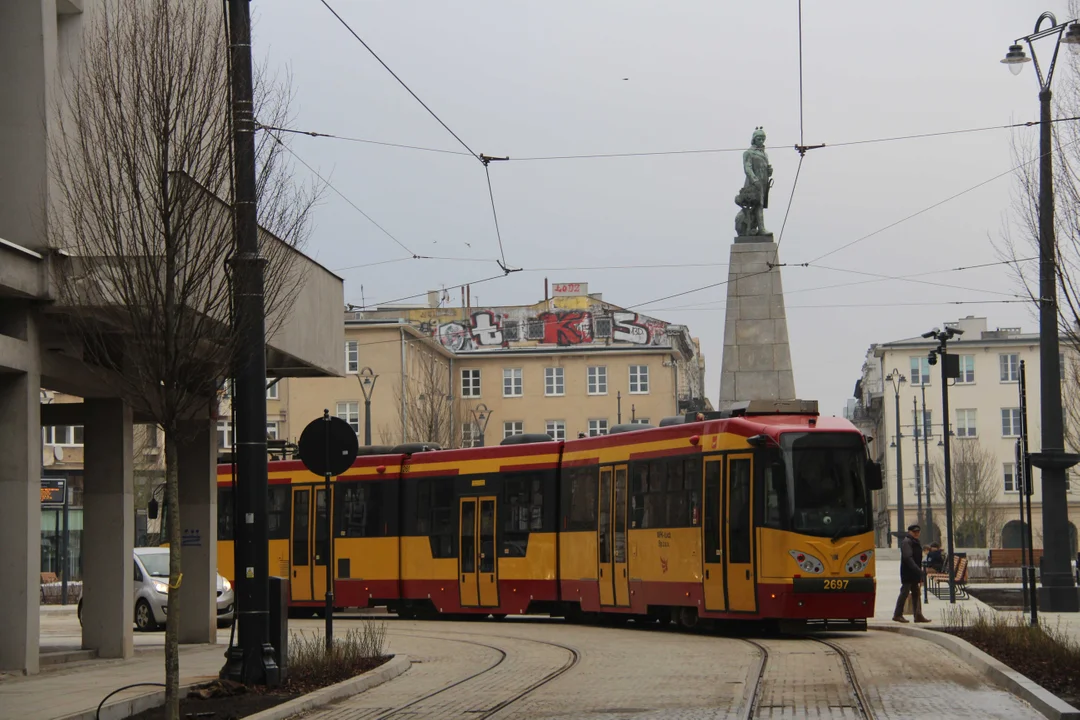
838	584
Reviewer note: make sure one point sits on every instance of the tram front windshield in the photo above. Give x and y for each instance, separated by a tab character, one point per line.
824	484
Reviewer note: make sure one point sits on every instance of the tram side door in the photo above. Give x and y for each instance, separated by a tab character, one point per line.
739	535
713	535
309	552
603	539
620	571
478	584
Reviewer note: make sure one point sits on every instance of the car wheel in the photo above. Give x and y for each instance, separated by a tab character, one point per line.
144	617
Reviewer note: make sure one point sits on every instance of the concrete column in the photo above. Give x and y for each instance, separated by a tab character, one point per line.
20	520
198	526
108	530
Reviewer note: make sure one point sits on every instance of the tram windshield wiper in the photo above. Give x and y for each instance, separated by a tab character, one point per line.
844	530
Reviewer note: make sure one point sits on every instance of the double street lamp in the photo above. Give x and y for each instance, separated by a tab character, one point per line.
481	415
1058	592
367	378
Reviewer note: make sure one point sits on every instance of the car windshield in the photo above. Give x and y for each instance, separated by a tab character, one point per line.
825	483
157	564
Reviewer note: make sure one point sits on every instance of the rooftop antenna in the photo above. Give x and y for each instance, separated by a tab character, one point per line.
363	302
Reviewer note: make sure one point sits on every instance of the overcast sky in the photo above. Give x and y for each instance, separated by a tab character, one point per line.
529	79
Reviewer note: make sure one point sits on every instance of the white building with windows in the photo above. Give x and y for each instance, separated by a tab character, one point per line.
985	422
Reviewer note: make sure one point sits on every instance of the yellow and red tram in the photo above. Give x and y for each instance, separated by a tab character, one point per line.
752	515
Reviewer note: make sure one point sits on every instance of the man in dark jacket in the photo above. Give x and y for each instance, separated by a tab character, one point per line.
911	576
934	559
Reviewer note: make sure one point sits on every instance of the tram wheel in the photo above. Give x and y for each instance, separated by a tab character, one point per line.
688	617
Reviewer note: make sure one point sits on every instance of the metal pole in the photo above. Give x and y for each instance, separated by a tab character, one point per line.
252	660
919	481
900	526
1058	587
1029	564
948	475
1021	488
618	413
329	543
927	481
367	421
64	552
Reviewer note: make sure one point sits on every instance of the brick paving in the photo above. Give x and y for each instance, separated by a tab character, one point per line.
805	679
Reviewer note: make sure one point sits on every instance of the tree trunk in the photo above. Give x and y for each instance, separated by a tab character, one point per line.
172	619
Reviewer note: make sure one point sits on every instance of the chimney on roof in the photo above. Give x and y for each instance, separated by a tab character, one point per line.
433	298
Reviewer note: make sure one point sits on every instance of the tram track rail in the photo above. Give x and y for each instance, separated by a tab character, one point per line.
752	699
573	658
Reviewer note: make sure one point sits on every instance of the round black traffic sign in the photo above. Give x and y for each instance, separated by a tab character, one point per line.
328	445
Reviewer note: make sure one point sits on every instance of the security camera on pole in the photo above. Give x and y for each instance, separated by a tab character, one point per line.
950	368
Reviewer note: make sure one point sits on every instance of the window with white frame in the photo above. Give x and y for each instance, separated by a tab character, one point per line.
513	427
62	435
553	381
639	379
513	385
640	421
920	370
272	390
470	383
923	424
967	370
470	435
597	379
224	434
350	413
1010	422
556	429
227	389
965	423
1010	367
597	427
1011	481
271	430
352	356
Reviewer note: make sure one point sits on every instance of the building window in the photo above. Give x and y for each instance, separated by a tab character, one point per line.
965	423
512	382
556	429
920	371
924	424
553	381
597	427
514	427
598	380
226	389
1010	367
967	369
470	383
640	421
271	431
639	379
224	434
470	435
352	356
1011	484
272	390
1010	422
350	413
151	436
62	435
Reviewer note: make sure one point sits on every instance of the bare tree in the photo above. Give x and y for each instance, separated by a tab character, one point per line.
428	411
975	489
140	163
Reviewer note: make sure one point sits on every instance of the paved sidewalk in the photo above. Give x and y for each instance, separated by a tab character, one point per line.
81	686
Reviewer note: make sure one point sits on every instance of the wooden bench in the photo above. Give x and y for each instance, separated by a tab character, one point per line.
939	581
48	577
1012	557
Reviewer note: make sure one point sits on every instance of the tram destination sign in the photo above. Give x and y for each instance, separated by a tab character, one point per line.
53	491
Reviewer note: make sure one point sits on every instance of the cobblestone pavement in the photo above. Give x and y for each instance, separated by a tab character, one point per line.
472	669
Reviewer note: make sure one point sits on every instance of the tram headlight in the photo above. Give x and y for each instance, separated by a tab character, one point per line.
807	562
858	561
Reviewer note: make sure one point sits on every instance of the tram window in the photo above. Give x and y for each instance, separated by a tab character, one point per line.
692	479
581	509
739	511
712	512
772	497
300	549
524	496
423	507
225	514
358	510
443	512
278	499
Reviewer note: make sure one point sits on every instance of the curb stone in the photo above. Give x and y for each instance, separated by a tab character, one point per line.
999	673
389	670
131	706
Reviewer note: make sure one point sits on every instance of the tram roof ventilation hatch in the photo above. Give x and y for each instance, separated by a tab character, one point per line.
410	448
629	427
527	438
758	407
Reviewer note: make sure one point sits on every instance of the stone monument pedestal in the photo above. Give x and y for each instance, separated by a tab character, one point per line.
757	356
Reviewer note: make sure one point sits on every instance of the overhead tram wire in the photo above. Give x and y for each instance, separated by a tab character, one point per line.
400	81
927	303
312	133
939	203
424	294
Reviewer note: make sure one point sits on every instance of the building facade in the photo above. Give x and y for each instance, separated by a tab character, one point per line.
984	426
570	365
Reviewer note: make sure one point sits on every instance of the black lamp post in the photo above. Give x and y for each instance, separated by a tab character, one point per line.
367	378
481	415
919	482
927	483
897	379
950	368
1058	591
